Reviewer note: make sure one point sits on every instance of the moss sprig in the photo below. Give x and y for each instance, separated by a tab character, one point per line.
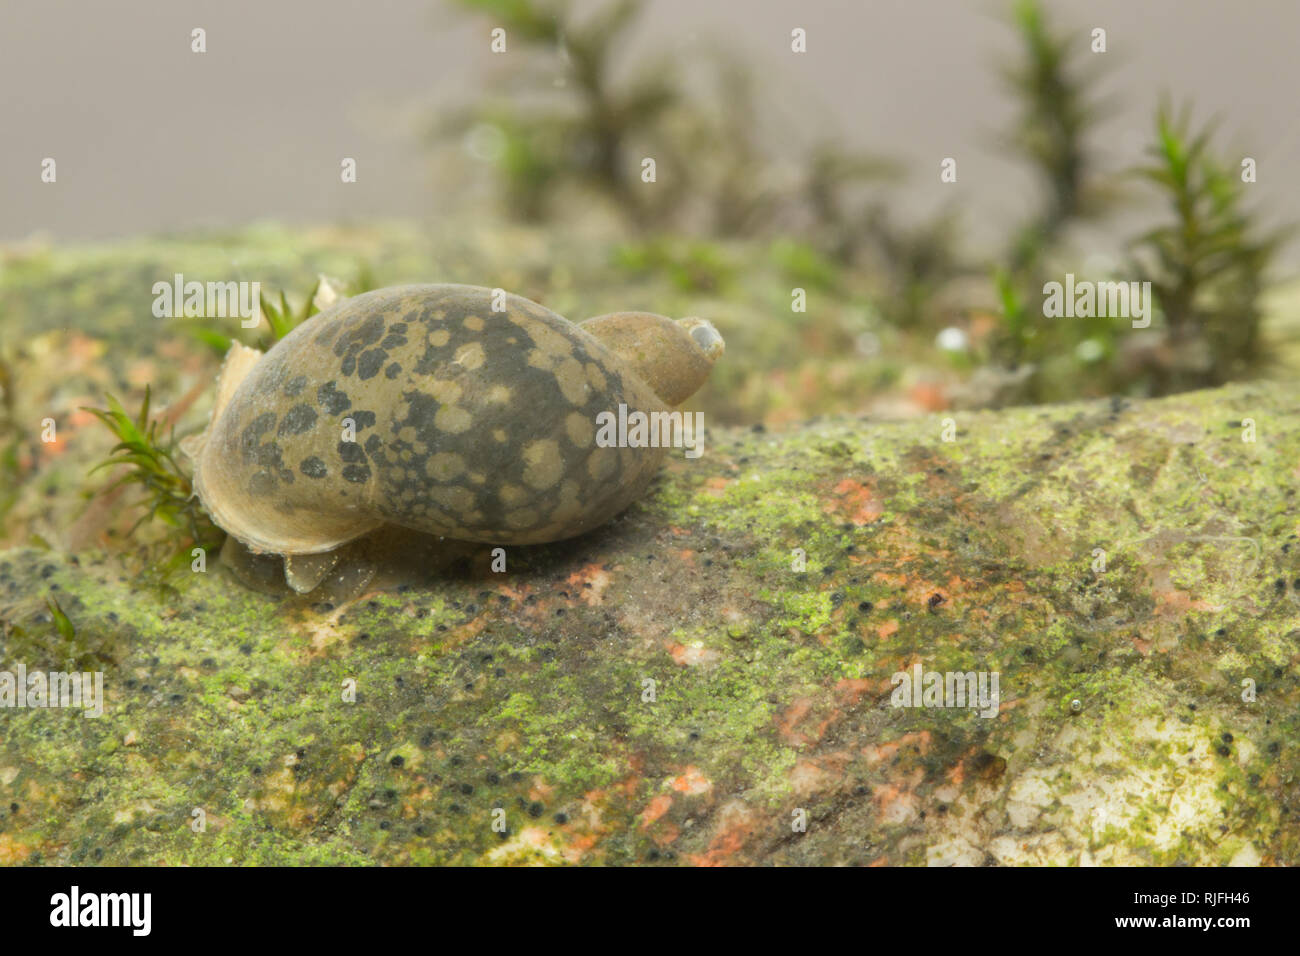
150	462
1057	110
1208	265
11	438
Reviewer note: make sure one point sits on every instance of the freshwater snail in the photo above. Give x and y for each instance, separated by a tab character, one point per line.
420	406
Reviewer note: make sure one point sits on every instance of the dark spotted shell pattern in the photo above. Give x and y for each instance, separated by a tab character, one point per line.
469	423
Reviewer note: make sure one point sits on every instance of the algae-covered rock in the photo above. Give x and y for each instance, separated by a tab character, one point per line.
709	678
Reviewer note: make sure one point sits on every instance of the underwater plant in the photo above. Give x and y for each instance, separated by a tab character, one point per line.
694	265
149	459
831	172
1208	266
830	222
917	260
1056	112
282	318
587	136
10	439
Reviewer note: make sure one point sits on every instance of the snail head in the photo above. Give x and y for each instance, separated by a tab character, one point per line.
673	357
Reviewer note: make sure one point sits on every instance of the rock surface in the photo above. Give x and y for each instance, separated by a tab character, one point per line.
670	689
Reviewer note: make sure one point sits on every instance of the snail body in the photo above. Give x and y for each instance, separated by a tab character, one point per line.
421	406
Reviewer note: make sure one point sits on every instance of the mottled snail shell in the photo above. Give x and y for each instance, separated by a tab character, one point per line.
468	423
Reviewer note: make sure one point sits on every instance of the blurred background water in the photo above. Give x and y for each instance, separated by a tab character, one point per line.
150	137
797	199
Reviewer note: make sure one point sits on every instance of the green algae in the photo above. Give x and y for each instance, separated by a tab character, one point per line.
525	692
